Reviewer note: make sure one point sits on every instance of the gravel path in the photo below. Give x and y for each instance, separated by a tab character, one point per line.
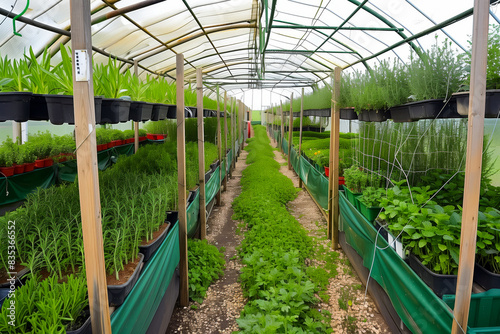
224	300
360	317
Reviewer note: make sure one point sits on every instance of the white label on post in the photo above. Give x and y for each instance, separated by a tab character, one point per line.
81	65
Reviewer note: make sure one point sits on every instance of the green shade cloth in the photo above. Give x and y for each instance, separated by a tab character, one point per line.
416	304
212	186
316	182
136	313
193	214
17	187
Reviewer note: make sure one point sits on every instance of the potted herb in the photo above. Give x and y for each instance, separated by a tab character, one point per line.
136	89
492	77
110	83
369	202
14	95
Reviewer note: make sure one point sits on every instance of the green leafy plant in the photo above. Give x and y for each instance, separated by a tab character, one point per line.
108	80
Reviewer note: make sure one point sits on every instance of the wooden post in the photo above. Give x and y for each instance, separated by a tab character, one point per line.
233	132
181	182
136	124
225	140
334	168
300	135
243	123
290	133
88	178
219	144
201	154
282	127
473	166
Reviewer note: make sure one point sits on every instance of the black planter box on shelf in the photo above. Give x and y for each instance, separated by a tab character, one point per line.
431	109
38	108
440	284
210	113
118	293
15	106
485	278
190	112
60	109
149	250
160	111
115	111
348	113
379	115
491	108
401	114
364	115
140	111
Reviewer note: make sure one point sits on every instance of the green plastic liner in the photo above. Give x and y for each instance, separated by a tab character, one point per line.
135	315
17	187
416	304
192	215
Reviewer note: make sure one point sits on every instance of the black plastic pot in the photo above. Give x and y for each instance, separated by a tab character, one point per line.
118	293
38	108
210	113
431	109
364	115
150	249
208	175
491	108
318	112
348	113
190	112
379	115
486	278
15	106
140	111
115	111
160	111
60	109
86	328
440	284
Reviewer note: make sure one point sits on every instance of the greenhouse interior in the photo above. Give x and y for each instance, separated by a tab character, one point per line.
312	166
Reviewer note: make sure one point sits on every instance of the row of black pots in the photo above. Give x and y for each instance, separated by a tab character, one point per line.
58	109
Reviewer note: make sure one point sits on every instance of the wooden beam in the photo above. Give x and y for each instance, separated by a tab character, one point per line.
88	178
290	132
225	140
334	169
219	144
181	182
136	124
300	134
473	164
282	127
201	155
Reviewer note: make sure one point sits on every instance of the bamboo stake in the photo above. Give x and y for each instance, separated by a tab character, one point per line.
300	136
201	154
225	140
334	169
290	131
181	182
88	179
136	124
473	166
219	144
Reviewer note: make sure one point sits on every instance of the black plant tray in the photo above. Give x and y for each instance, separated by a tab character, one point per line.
115	111
15	106
485	278
210	113
60	109
364	115
172	217
348	113
38	108
430	109
379	115
150	249
118	293
401	114
440	284
140	111
160	111
214	165
491	108
86	328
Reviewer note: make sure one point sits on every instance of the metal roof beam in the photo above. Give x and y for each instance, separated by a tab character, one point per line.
286	26
305	51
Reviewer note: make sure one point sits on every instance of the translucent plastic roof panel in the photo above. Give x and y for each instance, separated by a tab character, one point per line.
246	44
